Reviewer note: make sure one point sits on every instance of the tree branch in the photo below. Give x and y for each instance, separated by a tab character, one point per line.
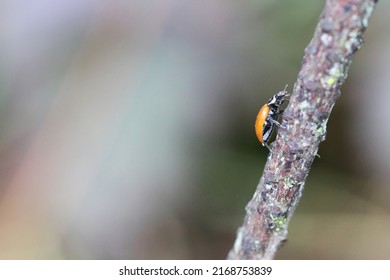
325	64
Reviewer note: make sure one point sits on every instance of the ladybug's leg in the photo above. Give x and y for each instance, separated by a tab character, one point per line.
266	145
274	122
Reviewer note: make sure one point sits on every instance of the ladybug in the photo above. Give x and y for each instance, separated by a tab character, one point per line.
268	115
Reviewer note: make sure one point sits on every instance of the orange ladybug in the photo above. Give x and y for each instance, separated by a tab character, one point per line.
268	115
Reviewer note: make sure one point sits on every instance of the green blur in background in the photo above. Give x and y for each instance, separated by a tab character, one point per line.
127	130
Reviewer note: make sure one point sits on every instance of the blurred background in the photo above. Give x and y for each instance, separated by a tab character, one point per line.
127	130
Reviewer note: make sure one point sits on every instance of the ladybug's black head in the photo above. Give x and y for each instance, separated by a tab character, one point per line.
278	99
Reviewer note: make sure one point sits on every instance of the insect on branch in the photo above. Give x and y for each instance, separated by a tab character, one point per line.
324	68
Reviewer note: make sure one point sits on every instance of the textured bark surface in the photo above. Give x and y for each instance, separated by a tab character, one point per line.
325	64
